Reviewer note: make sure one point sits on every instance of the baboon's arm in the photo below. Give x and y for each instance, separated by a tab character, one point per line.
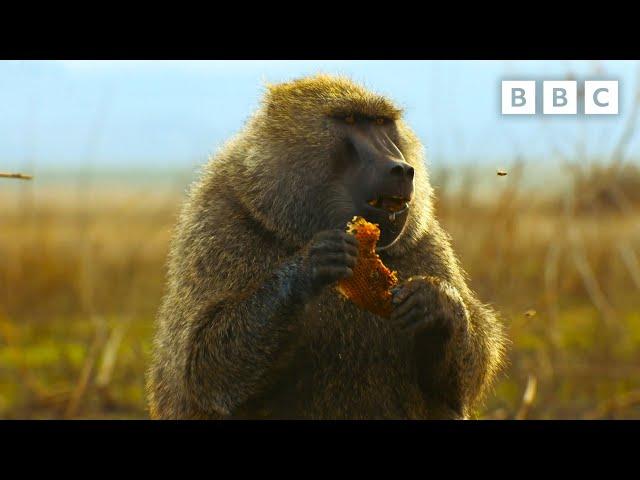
454	371
458	342
234	341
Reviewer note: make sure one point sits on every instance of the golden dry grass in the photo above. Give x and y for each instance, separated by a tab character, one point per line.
82	273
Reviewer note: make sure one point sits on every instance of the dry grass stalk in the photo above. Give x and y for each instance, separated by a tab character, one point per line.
109	356
551	291
592	286
88	371
527	398
20	176
630	260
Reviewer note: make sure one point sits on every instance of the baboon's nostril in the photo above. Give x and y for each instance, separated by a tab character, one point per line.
402	170
397	170
410	172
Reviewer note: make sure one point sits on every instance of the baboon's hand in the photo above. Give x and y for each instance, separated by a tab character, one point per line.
425	303
330	256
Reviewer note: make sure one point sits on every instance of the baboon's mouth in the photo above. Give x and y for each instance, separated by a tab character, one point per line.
390	213
390	203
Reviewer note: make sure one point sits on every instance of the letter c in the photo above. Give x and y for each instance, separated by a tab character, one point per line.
595	97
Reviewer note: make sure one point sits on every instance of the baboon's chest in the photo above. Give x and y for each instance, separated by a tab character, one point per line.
346	363
343	362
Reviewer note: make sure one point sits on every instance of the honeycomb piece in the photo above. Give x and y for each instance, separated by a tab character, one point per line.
370	285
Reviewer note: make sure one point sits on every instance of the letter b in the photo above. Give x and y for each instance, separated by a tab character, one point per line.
560	97
518	97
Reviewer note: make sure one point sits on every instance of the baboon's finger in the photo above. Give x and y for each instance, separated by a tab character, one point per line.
416	299
412	315
337	235
351	239
332	273
329	246
405	291
339	259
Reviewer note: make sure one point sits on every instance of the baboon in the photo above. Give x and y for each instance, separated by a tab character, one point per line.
251	325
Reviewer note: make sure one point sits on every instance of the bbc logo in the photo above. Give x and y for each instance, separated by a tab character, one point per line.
559	97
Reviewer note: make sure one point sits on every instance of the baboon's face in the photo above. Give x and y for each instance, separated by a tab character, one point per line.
323	150
373	171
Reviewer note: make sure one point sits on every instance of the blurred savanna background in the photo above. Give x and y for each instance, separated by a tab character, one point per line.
553	245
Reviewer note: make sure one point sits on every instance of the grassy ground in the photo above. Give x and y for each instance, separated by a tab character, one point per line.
82	273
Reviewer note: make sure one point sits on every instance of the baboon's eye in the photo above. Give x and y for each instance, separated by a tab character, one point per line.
381	121
350	119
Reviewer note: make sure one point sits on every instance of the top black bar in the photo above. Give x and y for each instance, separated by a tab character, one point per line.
428	40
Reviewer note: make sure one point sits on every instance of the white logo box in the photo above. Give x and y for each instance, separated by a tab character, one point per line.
559	97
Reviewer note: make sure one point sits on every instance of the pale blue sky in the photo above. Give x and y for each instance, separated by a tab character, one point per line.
97	114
